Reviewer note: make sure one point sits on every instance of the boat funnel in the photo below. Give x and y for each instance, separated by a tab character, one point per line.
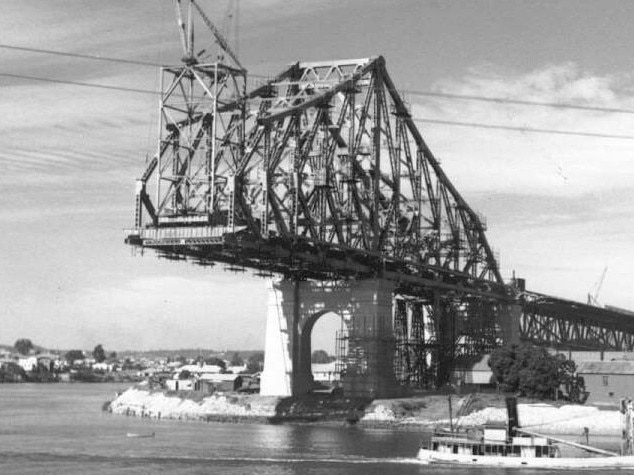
511	413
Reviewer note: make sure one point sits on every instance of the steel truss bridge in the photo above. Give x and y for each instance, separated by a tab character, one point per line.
321	173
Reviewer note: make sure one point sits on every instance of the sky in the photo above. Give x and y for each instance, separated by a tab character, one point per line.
559	207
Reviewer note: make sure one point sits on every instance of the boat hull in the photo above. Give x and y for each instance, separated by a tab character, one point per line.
564	463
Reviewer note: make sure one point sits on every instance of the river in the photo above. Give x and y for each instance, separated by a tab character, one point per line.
61	429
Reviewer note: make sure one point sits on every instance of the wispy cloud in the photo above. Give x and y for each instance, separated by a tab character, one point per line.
559	208
516	162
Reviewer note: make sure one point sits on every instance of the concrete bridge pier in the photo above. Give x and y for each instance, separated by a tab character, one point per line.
293	309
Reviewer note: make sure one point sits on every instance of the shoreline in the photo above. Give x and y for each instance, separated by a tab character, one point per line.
423	413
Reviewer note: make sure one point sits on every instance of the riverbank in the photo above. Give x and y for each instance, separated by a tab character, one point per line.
547	418
418	413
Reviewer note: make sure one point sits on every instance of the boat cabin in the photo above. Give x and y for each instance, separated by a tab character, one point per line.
492	441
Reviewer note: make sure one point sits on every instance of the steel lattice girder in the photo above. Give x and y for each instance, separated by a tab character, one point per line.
345	165
320	170
565	324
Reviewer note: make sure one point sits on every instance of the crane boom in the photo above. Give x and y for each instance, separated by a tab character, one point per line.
593	296
219	38
181	26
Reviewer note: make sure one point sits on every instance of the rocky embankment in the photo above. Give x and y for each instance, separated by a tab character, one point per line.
540	417
146	403
415	413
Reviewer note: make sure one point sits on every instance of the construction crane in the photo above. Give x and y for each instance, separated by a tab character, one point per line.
593	295
187	35
230	27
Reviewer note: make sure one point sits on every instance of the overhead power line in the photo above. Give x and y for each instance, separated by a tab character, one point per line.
524	129
443	95
504	100
78	83
98	58
79	55
429	121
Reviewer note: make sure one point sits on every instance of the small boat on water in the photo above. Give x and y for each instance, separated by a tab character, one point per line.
514	447
134	435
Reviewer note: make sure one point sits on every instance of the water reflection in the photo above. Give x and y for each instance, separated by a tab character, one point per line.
61	429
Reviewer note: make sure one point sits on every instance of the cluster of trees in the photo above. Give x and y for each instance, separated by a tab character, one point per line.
255	363
530	370
98	354
24	346
321	356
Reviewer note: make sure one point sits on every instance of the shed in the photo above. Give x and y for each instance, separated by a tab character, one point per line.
211	382
607	381
474	371
179	384
325	372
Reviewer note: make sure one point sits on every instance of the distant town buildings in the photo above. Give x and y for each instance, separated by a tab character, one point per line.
608	376
181	374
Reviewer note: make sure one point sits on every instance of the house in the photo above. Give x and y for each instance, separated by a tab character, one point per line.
205	382
29	363
325	373
46	362
103	366
212	382
236	369
473	372
201	369
582	356
607	381
176	384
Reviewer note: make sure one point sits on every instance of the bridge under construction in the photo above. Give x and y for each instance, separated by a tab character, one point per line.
319	178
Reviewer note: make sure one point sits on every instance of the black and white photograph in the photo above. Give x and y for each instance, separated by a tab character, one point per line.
316	237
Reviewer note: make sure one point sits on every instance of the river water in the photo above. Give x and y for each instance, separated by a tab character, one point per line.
61	429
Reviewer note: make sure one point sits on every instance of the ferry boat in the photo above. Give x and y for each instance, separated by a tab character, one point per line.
511	446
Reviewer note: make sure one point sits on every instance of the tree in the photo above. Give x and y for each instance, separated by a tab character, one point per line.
530	370
212	360
23	346
321	357
99	354
255	363
236	360
74	355
112	355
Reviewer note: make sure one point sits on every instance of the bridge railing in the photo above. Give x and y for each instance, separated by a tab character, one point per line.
157	234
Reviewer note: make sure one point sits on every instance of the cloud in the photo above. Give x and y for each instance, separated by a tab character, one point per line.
558	208
528	163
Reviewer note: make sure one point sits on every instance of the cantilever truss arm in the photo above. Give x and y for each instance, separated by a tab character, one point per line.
429	156
329	158
360	169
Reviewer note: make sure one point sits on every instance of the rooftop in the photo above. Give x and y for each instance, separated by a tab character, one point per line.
606	367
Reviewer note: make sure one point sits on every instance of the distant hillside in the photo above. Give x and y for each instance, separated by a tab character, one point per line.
37	348
151	354
186	353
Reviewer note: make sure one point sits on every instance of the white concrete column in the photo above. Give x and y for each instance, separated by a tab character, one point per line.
278	363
